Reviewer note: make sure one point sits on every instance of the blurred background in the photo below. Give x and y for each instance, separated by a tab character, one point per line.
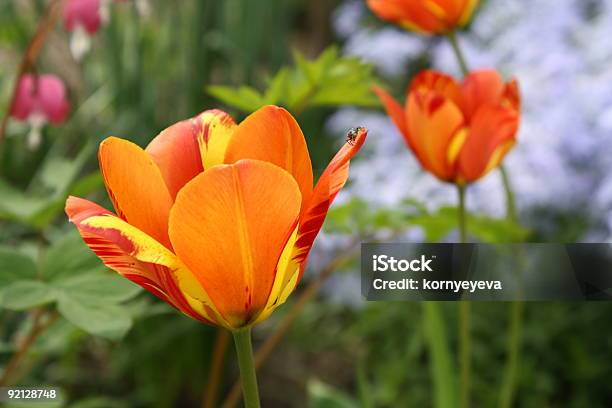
107	344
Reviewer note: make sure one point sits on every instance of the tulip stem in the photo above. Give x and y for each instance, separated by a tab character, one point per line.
452	37
511	212
244	350
461	214
464	319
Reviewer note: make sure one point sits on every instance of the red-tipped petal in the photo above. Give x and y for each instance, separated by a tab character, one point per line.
120	253
330	183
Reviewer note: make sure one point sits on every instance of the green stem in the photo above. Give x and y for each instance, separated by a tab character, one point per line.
452	37
464	320
465	364
244	350
442	368
516	312
511	212
462	227
512	362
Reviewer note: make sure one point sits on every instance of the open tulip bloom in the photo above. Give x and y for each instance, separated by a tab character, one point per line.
214	218
458	131
425	16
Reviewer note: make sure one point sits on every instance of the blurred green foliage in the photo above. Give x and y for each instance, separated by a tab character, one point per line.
330	80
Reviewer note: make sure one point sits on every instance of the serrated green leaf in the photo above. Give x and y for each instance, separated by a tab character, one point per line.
26	294
329	80
67	257
96	317
100	286
244	98
277	88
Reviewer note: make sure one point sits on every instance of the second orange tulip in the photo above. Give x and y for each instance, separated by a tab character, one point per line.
458	131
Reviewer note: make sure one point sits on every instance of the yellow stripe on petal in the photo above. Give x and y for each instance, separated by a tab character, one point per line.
435	9
286	269
456	144
498	155
468	11
215	130
146	249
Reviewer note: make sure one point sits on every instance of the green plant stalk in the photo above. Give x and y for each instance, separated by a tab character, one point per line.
511	212
452	37
442	368
465	346
461	214
506	396
516	311
244	351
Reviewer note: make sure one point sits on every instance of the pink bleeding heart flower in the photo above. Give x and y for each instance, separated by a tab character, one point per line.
40	100
83	18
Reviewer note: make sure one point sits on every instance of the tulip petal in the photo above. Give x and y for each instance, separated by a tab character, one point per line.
492	134
183	150
330	183
215	130
175	151
287	273
136	256
437	125
136	187
230	225
480	88
468	8
434	81
271	134
512	96
396	113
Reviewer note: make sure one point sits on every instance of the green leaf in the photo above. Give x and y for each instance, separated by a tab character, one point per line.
324	396
329	80
52	184
493	230
87	184
277	88
25	295
17	206
15	266
100	286
96	317
69	256
244	98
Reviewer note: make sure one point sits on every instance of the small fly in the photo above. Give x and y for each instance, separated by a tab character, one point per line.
351	136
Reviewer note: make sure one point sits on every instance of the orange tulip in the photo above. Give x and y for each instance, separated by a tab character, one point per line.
425	16
458	131
214	218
